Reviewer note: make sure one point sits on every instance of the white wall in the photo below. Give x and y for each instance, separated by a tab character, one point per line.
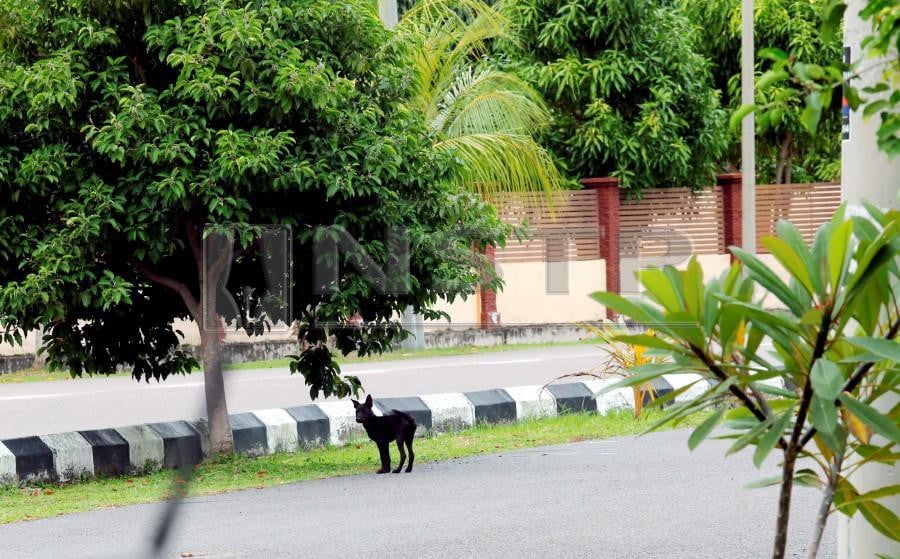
526	296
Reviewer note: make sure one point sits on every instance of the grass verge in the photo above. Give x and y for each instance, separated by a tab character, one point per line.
40	375
240	472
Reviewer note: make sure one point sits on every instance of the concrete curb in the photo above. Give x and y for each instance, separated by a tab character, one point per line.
71	456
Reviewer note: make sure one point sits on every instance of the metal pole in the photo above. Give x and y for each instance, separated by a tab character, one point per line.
748	132
387	9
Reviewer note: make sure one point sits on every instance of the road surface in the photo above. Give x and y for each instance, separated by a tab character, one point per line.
620	498
39	408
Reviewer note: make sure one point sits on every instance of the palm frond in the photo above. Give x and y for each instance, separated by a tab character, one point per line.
491	163
487	118
490	101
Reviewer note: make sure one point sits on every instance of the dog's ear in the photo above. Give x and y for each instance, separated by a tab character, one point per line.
369	401
355	403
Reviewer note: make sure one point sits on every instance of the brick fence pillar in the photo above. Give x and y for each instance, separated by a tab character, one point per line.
732	214
608	228
489	314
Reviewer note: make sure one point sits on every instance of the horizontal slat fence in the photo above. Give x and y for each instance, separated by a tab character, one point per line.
662	222
667	221
807	206
559	229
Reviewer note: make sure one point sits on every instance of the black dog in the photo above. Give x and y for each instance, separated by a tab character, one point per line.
398	426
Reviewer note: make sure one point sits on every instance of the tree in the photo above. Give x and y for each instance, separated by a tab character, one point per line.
786	151
630	93
135	137
835	334
486	117
815	83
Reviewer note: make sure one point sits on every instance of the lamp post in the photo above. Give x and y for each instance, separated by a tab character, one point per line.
748	132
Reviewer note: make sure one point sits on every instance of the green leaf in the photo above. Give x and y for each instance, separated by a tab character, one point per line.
626	307
792	262
641	374
740	114
844	494
770	78
772	53
693	288
764	482
878	422
704	429
768	441
812	112
647	340
838	249
885	349
768	280
661	289
875	494
831	20
823	414
827	379
881	518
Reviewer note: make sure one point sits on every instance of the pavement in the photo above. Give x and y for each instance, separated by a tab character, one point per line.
38	408
646	497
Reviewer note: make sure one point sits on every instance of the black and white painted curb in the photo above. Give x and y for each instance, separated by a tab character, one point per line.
70	456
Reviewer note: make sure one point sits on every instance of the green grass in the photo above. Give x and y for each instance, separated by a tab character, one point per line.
39	375
239	472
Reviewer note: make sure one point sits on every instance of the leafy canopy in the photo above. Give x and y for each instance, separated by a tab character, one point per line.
630	93
815	85
128	127
786	150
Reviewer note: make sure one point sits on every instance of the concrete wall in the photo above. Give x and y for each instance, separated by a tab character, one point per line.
463	315
528	297
27	348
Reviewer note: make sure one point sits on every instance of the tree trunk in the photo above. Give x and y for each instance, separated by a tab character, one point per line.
220	437
784	502
812	549
782	165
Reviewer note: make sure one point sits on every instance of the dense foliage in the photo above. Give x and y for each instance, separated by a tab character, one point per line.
833	326
127	127
630	92
814	85
786	151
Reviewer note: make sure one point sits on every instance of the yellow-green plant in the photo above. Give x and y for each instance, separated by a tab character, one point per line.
621	357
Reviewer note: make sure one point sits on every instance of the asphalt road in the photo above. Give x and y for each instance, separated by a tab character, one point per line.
621	498
38	408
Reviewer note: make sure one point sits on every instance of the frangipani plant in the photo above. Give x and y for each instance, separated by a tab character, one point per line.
834	333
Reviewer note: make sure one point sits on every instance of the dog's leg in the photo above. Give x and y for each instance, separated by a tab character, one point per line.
385	458
402	455
409	443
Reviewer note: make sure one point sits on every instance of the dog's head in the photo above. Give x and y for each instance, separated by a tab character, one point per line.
364	410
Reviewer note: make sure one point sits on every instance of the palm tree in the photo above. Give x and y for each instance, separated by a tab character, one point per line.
486	117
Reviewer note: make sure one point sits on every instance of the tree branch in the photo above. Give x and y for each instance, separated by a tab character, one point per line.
177	286
738	393
854	380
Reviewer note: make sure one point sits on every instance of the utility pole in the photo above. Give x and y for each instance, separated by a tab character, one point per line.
748	131
387	9
869	174
411	321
